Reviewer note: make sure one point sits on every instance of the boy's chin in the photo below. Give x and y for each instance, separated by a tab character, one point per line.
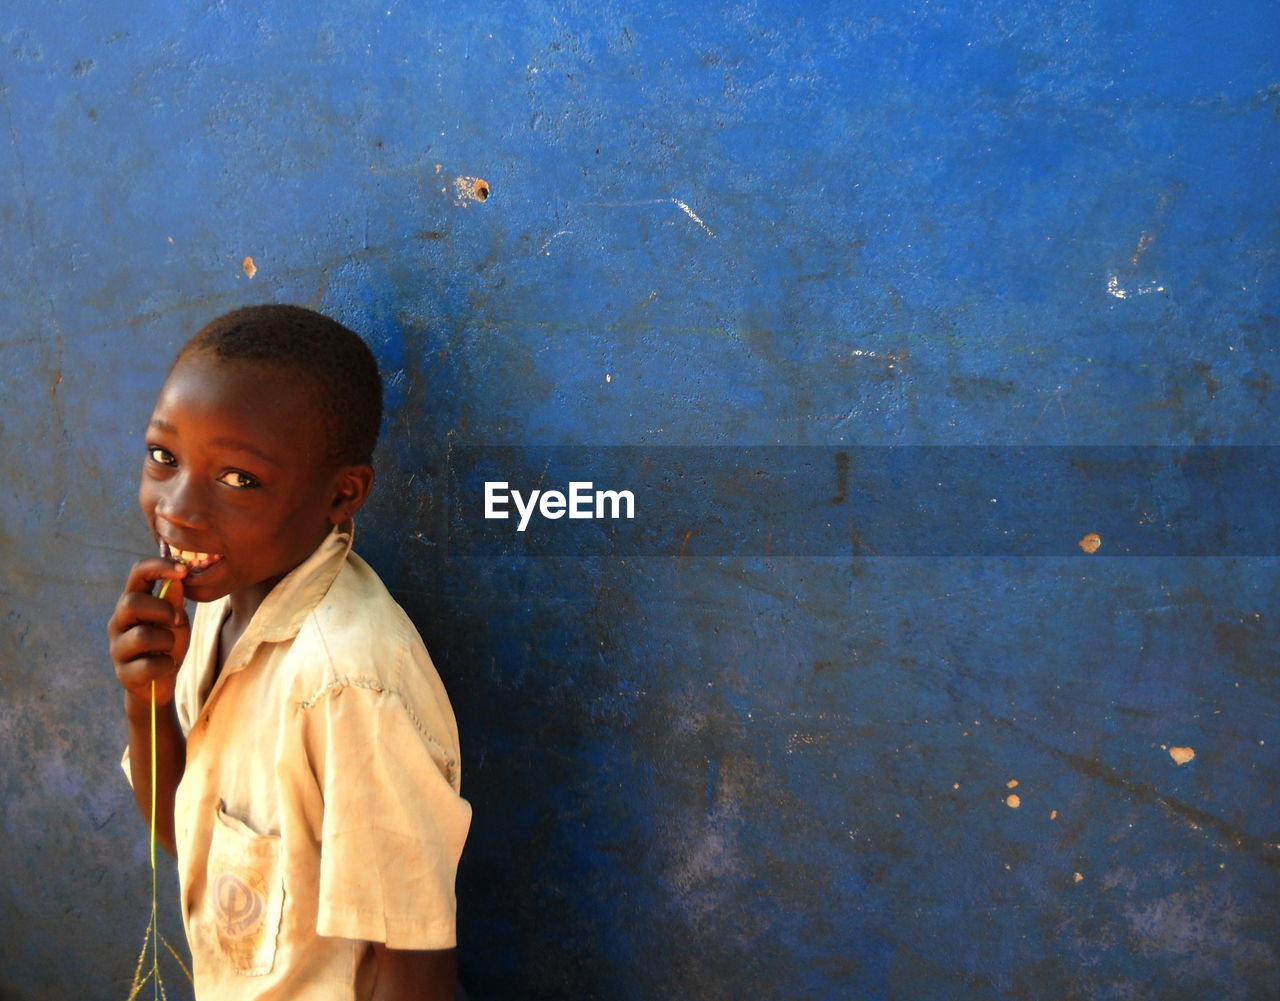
205	585
203	594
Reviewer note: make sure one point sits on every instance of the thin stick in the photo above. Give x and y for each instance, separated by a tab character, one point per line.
153	938
155	923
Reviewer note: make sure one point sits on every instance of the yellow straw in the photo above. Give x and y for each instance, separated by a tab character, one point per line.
153	938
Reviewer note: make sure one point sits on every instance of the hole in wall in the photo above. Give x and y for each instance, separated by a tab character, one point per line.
471	189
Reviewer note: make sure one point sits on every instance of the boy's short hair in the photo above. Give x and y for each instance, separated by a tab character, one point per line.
314	347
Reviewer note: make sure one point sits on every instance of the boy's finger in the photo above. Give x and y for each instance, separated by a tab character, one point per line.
171	591
145	573
140	606
143	640
141	673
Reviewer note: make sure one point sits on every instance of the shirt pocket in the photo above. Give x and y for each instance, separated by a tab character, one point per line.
245	894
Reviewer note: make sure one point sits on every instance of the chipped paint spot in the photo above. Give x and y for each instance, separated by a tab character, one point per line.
1012	784
1076	877
248	267
1013	801
1091	543
474	189
1181	755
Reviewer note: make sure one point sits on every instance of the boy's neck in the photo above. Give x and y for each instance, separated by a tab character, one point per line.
247	600
228	635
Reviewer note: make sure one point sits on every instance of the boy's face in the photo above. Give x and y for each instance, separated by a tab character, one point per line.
237	473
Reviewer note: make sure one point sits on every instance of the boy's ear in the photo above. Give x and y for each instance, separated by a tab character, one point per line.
350	490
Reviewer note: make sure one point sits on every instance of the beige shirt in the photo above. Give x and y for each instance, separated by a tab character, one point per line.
319	809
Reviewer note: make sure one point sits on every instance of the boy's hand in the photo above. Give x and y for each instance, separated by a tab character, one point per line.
148	635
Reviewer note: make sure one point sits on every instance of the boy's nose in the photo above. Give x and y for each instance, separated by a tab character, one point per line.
184	503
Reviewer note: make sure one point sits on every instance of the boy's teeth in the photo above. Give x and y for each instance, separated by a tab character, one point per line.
193	559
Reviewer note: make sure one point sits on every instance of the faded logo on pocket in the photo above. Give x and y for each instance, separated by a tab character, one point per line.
240	904
246	893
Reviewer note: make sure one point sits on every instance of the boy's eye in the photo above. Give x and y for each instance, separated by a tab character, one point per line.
237	479
162	456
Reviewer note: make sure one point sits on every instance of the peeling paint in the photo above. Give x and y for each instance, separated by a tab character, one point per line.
1181	755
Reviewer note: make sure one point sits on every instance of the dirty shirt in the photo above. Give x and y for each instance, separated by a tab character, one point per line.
319	810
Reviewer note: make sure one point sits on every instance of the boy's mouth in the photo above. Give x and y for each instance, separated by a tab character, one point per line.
195	562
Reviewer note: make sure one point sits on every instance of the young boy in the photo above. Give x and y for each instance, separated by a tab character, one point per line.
307	755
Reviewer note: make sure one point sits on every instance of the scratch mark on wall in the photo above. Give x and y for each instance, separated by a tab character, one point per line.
1115	291
693	215
1144	241
1055	397
553	237
1148	236
862	353
683	206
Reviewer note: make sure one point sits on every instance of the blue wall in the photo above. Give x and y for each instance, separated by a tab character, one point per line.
712	775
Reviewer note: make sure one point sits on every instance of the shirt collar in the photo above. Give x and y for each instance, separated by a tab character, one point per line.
283	611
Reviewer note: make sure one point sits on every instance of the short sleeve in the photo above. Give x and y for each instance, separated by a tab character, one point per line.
393	823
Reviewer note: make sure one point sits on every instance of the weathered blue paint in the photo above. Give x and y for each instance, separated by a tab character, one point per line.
845	224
